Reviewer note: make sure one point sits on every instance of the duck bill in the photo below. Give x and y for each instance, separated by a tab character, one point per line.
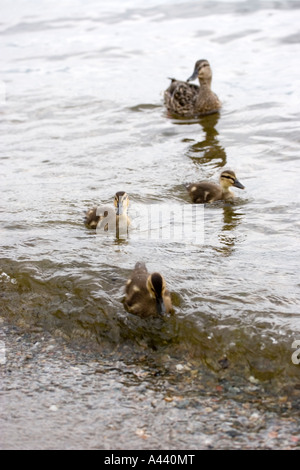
161	309
120	209
194	76
237	184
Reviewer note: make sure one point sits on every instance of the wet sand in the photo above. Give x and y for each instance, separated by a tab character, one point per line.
55	395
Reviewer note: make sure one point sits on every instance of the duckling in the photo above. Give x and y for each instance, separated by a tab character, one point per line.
146	294
188	100
104	217
206	191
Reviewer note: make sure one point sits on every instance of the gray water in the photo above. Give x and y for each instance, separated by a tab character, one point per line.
82	117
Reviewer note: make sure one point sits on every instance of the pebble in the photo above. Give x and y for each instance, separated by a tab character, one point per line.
182	367
53	408
141	433
168	399
254	417
208	409
253	380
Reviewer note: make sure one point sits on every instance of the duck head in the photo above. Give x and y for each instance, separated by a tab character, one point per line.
228	178
156	286
202	71
121	202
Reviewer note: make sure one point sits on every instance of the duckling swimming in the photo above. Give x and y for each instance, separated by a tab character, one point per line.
188	100
207	191
104	217
146	294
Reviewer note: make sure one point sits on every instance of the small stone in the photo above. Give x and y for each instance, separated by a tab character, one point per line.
224	363
208	409
181	367
53	408
208	442
283	399
28	356
254	417
168	399
141	433
232	433
253	380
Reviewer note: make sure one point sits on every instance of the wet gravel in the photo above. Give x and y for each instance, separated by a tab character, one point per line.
57	395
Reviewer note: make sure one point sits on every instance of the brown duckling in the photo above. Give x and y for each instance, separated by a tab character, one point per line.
102	217
146	294
207	191
188	100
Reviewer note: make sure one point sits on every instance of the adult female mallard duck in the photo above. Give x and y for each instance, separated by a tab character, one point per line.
188	100
146	294
105	217
206	191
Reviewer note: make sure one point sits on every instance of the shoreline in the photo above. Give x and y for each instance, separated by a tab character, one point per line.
54	396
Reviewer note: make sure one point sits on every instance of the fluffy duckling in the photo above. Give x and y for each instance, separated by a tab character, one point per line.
146	294
188	100
104	217
206	191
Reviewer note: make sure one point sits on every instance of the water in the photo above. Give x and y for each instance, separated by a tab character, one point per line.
82	117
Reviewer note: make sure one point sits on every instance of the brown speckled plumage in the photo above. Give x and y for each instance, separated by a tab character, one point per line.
206	191
146	294
188	100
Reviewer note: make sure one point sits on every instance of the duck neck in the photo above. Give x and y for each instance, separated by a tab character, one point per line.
205	83
226	192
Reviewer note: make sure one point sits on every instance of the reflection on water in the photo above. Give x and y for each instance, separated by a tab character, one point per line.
208	151
232	218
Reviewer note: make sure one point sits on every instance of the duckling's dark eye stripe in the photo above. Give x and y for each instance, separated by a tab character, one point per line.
228	177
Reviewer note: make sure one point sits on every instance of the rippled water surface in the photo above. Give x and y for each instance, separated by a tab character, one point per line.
82	117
